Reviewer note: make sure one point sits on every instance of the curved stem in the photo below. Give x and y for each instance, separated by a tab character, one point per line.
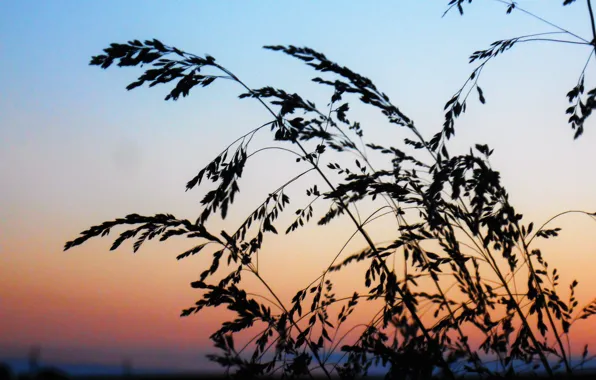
543	20
553	218
411	307
273	148
314	351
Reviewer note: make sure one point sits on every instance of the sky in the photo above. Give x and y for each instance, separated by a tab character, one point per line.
77	149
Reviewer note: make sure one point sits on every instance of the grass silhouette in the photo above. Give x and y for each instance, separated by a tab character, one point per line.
482	273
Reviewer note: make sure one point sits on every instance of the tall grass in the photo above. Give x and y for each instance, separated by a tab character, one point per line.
466	254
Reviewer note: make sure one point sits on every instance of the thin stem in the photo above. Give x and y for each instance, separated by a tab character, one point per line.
280	188
517	308
402	221
553	218
314	351
266	299
543	20
555	40
592	22
274	148
254	131
548	313
374	321
369	241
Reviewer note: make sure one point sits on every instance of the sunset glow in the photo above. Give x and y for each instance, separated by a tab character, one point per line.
77	149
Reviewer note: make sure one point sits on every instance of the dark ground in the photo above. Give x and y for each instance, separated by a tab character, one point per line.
584	376
55	374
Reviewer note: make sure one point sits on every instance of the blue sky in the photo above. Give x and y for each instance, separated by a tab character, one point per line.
76	148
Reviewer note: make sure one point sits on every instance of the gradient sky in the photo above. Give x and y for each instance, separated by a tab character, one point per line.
76	149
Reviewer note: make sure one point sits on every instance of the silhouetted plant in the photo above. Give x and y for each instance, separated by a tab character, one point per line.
49	373
6	372
456	204
39	372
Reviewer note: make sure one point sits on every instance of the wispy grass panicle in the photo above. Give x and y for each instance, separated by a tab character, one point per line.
468	265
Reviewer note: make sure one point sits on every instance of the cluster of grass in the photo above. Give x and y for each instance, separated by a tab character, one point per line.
467	256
